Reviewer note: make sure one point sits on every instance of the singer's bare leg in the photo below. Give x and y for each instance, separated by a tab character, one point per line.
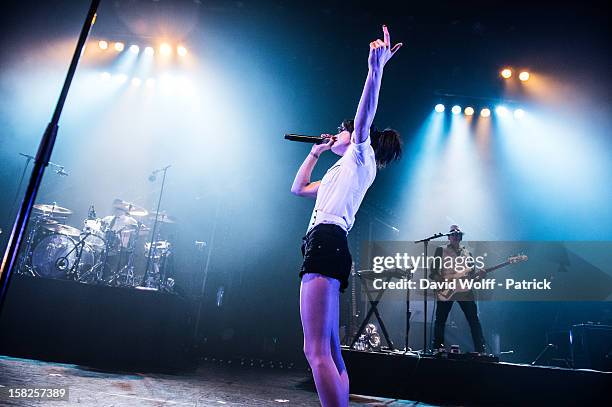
319	298
337	351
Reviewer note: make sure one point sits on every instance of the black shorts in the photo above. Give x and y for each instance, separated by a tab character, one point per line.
325	250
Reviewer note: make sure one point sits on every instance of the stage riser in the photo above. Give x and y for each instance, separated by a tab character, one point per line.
466	382
99	326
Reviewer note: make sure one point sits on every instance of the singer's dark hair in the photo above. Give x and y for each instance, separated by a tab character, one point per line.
387	144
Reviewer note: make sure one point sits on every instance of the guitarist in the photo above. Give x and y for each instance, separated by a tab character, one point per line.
466	300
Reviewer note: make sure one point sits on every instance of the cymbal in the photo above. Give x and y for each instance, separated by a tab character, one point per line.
47	221
129	208
53	209
62	229
163	217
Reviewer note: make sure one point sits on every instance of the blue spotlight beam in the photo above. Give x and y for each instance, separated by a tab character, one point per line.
41	161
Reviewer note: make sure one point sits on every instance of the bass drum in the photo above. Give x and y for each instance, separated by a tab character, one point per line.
54	256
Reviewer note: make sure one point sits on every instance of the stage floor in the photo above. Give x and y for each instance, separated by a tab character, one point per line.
210	385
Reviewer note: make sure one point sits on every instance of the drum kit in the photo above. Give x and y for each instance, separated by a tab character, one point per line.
107	250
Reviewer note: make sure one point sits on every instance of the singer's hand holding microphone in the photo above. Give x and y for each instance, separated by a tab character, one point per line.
318	149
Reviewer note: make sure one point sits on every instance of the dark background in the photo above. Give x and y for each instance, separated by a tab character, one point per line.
271	67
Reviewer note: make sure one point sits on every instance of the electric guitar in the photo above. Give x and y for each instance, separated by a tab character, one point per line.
445	295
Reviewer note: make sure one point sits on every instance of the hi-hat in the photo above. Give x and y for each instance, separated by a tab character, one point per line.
52	209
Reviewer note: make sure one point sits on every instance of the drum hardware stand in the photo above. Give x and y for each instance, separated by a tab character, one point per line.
159	263
10	259
108	235
73	273
128	269
426	270
24	267
153	236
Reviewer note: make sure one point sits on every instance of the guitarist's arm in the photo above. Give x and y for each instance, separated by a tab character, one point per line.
435	271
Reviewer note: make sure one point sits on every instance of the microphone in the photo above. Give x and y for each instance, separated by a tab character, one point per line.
153	175
92	212
304	139
28	156
61	172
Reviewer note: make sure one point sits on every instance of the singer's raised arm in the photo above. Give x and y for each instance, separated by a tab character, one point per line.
301	184
380	53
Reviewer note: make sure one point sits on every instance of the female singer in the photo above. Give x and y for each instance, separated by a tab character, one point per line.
327	260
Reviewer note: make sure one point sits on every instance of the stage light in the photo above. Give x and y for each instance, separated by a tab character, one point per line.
439	108
182	51
167	81
485	112
150	82
149	51
456	109
121	78
136	81
501	111
469	111
105	76
165	49
119	46
524	76
134	49
103	44
506	73
519	113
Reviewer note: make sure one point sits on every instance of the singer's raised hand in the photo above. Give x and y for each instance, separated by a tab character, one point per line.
381	51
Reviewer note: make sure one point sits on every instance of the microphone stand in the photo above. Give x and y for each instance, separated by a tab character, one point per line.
161	191
29	158
425	245
45	148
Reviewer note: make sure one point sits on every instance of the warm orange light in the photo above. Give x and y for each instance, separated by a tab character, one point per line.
485	112
469	111
103	44
506	73
524	76
165	49
119	46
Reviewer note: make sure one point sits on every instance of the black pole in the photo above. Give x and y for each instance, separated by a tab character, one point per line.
23	173
408	315
161	192
425	345
426	269
41	161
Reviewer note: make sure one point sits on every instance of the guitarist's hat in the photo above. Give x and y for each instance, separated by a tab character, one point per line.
455	230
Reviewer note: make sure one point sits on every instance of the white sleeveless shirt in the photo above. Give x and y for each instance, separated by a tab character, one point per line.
344	186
